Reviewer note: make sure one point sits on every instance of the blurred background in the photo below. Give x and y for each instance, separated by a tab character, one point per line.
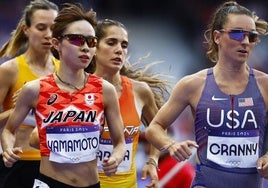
171	31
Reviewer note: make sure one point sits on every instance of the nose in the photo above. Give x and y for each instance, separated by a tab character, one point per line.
246	38
119	49
48	34
85	47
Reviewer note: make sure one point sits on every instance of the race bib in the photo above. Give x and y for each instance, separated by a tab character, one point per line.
234	151
105	150
73	144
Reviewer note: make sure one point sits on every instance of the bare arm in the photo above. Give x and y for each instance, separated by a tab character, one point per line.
262	80
26	100
149	111
3	119
183	94
144	95
116	128
5	114
34	139
8	76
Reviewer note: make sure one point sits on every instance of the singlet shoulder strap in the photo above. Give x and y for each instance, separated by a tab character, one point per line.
210	71
251	73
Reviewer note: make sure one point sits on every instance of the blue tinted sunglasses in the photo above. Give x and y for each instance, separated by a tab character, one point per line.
239	34
79	40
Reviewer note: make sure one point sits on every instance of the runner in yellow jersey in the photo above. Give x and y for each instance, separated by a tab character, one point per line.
30	58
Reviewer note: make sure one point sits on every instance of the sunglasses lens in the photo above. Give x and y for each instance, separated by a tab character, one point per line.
239	35
92	42
76	40
79	40
252	37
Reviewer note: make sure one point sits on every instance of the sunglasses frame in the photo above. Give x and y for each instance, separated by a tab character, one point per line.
74	38
239	35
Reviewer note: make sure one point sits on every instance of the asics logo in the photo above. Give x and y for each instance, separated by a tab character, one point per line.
52	99
218	98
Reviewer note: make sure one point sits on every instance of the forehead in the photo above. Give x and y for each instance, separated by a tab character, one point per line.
240	21
44	16
116	32
80	27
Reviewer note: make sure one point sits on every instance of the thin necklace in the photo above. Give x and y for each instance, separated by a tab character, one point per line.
69	84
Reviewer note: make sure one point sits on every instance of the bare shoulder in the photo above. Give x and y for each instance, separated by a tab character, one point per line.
194	81
30	92
140	87
32	87
8	74
107	86
108	89
261	76
9	68
188	89
137	83
262	80
10	65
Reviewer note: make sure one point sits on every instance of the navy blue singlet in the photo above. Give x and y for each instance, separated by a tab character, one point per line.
229	130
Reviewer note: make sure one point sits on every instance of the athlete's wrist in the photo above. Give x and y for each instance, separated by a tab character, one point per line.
152	161
166	147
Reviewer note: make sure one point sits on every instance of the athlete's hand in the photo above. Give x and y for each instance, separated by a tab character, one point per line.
262	166
109	166
150	170
10	156
182	150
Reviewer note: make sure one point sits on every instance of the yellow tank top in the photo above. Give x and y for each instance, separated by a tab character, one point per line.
24	75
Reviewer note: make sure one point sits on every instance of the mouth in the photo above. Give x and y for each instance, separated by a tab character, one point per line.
117	60
243	51
84	58
47	44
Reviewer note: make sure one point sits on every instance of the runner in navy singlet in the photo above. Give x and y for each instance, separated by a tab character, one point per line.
229	103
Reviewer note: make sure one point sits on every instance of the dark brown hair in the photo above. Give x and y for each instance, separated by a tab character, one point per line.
68	14
219	18
133	70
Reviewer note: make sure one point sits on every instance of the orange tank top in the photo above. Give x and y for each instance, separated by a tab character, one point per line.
126	171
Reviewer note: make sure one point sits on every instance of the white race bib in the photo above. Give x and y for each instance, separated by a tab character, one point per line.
233	152
73	144
105	150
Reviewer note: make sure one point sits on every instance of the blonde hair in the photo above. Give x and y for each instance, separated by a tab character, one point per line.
136	71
